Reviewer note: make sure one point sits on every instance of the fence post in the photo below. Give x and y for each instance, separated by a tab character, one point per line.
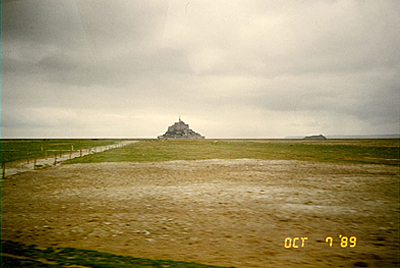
27	158
80	152
34	163
46	154
55	158
3	167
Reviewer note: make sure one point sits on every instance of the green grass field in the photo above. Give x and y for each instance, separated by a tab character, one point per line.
338	151
15	255
14	150
350	151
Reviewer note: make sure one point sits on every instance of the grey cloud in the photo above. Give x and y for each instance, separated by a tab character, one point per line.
9	65
118	71
122	22
50	22
70	24
371	96
315	36
290	67
98	42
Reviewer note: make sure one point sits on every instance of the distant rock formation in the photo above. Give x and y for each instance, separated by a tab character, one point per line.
180	130
316	137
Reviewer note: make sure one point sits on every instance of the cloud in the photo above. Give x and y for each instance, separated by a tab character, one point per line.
254	69
337	36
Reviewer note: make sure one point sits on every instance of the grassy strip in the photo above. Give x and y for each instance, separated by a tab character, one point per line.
13	150
377	152
66	257
11	262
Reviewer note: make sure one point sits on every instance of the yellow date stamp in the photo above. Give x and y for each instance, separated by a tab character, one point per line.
300	241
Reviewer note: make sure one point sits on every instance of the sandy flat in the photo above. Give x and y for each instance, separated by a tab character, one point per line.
222	212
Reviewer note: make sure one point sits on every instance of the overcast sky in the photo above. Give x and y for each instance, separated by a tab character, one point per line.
228	68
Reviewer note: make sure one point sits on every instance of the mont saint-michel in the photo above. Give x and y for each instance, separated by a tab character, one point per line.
180	130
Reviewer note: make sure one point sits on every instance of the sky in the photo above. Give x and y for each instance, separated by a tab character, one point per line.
230	69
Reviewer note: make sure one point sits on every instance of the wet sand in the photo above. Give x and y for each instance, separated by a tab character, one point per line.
222	212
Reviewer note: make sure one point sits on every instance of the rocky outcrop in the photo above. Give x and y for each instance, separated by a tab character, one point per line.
180	130
317	137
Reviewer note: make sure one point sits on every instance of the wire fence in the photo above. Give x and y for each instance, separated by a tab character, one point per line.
37	159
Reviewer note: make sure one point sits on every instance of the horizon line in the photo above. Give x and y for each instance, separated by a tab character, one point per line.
373	136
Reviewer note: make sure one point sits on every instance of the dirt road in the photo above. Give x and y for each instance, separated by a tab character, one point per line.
244	213
16	167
